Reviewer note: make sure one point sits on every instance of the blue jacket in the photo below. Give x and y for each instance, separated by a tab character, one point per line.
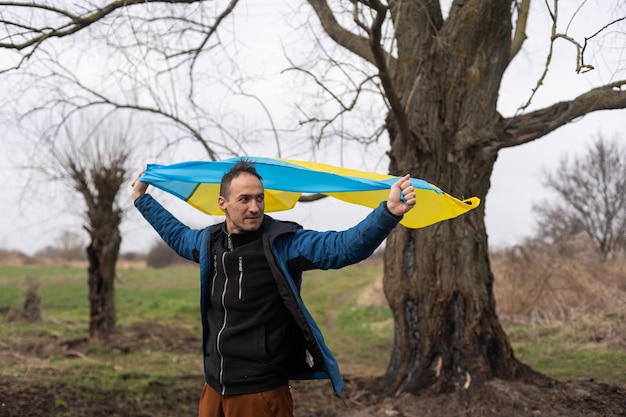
290	251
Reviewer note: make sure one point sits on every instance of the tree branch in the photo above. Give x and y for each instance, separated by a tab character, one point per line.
580	66
520	28
383	70
309	198
359	45
343	107
74	22
528	127
229	9
101	99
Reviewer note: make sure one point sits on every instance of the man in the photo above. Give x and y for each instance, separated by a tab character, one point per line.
257	333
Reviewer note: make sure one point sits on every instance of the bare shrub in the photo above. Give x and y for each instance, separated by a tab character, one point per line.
162	256
13	258
31	308
563	281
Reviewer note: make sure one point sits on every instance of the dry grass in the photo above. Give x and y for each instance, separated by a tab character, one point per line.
561	282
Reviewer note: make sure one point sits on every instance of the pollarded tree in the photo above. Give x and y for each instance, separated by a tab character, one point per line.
440	77
96	167
591	197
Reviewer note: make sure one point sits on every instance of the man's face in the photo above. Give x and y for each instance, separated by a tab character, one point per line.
244	206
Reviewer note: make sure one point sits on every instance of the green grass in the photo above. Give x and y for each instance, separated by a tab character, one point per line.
570	351
360	337
163	297
154	294
141	294
150	303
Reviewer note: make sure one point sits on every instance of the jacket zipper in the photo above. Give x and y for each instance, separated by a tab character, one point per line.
219	334
214	274
240	276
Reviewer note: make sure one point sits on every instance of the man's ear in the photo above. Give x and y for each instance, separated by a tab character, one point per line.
221	202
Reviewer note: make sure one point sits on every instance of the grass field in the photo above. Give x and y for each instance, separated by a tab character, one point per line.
149	301
157	344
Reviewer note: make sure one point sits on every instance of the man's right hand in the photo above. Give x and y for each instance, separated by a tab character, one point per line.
139	188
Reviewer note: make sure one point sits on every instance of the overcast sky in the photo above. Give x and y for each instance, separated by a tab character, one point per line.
28	224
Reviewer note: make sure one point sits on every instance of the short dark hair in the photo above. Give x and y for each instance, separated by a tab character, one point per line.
242	166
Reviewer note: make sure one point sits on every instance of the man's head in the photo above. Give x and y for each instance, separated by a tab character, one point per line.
242	198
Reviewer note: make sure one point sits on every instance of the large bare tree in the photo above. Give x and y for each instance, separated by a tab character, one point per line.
440	76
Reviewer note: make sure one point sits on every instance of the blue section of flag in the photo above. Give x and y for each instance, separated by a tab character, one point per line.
182	178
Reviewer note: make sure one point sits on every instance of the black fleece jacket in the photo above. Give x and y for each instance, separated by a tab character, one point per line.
247	349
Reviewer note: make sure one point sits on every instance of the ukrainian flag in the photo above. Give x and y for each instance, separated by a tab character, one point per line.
198	184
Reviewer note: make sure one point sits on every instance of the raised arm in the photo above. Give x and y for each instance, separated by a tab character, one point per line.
326	250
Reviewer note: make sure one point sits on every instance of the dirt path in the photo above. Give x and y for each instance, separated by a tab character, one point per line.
313	399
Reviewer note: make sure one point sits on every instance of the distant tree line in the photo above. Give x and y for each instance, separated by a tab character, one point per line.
159	256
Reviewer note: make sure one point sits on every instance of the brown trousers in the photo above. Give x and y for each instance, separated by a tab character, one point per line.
273	403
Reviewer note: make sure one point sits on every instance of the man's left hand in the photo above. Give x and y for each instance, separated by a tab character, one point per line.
401	196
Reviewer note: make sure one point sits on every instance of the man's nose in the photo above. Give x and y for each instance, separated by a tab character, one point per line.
254	206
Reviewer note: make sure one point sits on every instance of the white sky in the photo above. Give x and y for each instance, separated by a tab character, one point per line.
28	224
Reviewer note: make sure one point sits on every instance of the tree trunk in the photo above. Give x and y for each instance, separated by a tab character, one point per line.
104	220
440	288
102	257
438	279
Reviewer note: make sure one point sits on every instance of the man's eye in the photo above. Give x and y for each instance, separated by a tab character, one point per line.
260	198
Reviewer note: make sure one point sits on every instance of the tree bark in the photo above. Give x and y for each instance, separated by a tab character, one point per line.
438	279
104	228
101	281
